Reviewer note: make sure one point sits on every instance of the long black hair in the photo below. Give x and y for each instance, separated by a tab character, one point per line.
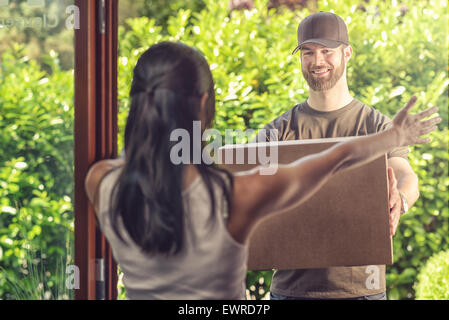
168	82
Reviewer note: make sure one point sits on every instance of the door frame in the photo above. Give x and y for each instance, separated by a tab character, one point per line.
96	58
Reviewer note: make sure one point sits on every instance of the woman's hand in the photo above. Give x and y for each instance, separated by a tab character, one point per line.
411	127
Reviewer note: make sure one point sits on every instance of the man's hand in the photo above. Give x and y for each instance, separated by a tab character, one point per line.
395	201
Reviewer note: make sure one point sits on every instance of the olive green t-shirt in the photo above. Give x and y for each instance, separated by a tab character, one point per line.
303	122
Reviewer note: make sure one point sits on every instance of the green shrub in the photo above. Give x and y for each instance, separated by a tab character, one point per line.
433	278
36	167
424	230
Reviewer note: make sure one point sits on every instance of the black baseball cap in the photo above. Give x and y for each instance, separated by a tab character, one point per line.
324	28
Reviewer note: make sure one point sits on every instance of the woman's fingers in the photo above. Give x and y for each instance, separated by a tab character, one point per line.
431	122
410	103
413	122
426	113
427	130
422	141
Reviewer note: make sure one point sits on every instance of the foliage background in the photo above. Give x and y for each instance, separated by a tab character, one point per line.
36	171
433	279
400	49
37	42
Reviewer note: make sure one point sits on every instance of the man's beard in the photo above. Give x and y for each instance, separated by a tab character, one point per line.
323	84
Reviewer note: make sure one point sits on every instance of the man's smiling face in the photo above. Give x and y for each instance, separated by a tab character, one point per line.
322	67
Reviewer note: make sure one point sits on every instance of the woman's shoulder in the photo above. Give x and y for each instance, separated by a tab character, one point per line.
96	174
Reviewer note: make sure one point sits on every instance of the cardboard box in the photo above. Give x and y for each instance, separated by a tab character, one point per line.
346	223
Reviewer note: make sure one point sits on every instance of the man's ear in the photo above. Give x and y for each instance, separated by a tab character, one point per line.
347	53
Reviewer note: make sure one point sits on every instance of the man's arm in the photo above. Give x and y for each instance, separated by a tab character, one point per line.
402	180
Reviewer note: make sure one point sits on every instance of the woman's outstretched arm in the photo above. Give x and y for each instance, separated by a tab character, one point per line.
256	196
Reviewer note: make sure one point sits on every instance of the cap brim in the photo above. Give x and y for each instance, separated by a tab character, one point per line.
322	42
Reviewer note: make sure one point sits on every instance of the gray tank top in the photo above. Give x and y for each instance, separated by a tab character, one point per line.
211	264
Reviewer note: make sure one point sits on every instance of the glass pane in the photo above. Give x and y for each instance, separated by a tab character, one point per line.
399	49
36	148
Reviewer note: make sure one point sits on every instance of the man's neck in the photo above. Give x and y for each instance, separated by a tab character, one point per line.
332	99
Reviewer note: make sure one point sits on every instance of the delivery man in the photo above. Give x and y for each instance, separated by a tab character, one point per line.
331	111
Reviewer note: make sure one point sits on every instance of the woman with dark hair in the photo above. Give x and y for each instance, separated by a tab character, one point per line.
179	231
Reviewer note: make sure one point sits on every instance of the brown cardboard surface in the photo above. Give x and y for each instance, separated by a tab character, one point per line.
344	224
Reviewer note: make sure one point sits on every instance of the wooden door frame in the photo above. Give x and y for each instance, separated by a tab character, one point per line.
96	53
